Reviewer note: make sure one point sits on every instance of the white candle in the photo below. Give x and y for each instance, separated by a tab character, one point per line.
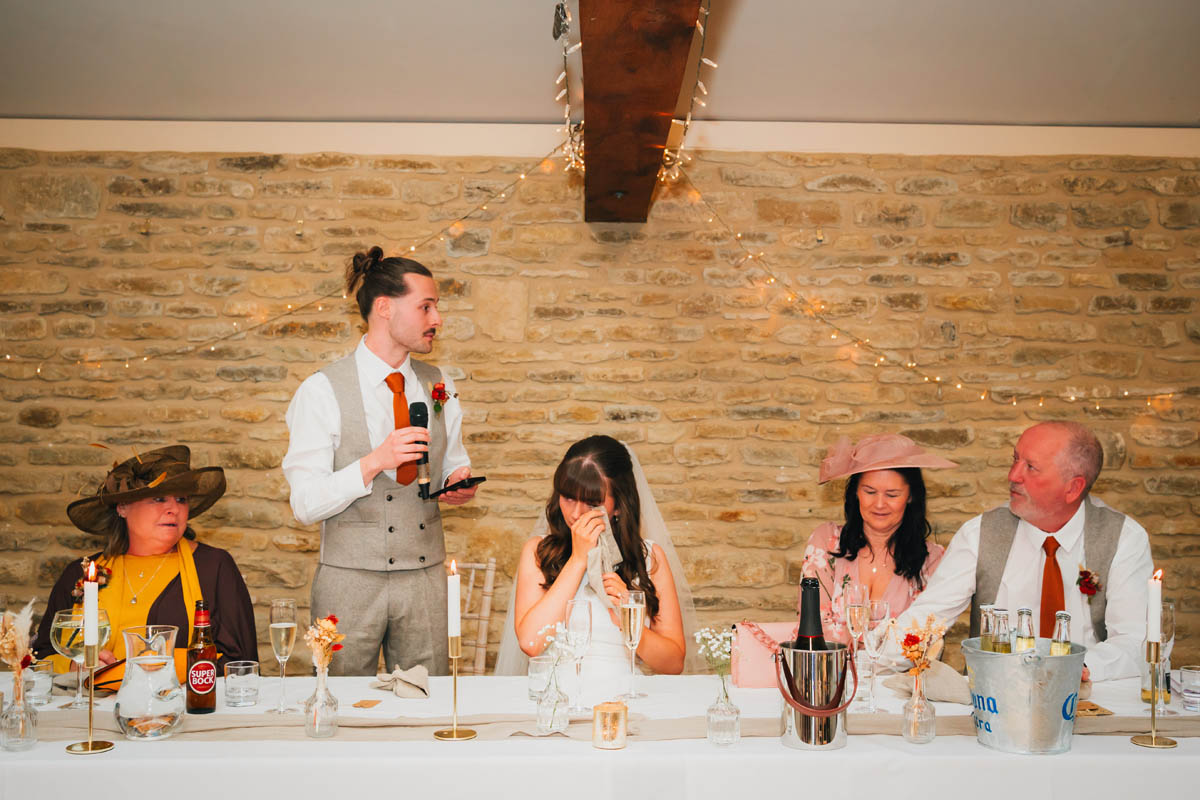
453	613
1154	608
91	607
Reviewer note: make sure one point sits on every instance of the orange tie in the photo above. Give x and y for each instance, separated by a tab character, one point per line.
407	473
1052	588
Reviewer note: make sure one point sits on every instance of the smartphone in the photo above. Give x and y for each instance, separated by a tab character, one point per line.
465	483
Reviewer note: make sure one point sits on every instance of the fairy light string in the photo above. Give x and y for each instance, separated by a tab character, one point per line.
292	309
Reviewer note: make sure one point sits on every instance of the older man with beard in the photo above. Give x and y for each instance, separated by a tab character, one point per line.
1030	552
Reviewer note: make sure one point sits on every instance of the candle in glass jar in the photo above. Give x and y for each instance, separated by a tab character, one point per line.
91	607
453	613
609	725
1154	608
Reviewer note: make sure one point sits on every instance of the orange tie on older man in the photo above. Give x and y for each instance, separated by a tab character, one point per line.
405	473
1052	589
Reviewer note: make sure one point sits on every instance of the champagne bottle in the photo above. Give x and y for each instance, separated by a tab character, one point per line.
986	626
809	635
1001	638
1026	640
1060	645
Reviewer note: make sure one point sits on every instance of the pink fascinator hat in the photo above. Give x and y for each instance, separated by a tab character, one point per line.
877	451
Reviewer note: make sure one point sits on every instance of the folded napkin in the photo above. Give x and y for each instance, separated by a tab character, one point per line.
412	683
602	558
942	684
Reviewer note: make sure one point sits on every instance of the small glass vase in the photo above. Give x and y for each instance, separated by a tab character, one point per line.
552	708
920	720
321	709
724	718
18	722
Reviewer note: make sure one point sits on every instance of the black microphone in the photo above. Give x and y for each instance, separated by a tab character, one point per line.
418	417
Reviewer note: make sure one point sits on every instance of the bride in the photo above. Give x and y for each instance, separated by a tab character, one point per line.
599	476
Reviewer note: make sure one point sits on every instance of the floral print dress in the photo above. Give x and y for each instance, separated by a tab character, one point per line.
835	573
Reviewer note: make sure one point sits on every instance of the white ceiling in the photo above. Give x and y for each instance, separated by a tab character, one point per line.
1071	62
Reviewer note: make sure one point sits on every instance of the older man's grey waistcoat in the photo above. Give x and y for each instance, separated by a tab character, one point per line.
392	528
997	529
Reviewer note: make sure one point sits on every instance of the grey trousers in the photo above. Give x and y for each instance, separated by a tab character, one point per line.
402	611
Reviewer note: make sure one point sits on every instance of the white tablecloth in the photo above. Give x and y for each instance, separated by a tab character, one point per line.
881	766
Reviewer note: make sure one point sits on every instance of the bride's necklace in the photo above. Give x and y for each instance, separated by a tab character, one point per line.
134	594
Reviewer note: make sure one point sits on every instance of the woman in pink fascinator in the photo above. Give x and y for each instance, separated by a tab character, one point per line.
884	543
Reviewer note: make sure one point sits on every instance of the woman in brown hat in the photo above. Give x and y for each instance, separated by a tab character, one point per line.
153	569
884	543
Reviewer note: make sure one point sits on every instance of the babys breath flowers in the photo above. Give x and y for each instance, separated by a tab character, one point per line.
717	648
324	640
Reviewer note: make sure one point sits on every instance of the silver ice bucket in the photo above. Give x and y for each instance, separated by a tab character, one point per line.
815	694
1024	702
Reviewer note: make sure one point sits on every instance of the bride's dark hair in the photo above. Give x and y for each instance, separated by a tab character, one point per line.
592	468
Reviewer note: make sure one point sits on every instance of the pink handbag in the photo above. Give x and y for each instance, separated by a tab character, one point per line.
754	649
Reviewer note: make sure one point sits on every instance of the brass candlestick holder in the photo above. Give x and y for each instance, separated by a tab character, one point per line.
90	658
1153	656
455	733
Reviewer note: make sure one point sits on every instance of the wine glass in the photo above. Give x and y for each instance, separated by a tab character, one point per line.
855	598
633	618
1168	643
874	639
283	639
66	636
579	638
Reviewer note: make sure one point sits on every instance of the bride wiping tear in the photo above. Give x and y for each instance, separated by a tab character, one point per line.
598	477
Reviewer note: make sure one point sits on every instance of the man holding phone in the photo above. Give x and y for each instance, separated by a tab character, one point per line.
352	466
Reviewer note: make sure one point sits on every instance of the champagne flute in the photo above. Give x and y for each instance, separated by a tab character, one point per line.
633	618
873	641
1168	643
283	639
855	598
66	636
579	638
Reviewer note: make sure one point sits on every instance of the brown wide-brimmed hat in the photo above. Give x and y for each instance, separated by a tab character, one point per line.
878	451
157	473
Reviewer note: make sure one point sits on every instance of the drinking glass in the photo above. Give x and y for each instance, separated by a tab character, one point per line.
283	639
633	618
579	639
39	682
1189	680
874	640
241	683
66	636
855	598
540	668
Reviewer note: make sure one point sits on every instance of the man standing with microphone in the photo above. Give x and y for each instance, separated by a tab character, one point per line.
352	464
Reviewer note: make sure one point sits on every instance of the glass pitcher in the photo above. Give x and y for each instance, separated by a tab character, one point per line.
150	702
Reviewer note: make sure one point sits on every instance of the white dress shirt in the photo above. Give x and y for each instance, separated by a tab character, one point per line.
315	430
951	587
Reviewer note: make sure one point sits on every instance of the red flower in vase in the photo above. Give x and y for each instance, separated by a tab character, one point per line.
911	640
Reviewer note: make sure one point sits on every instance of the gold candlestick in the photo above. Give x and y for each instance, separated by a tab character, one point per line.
455	733
1153	656
90	659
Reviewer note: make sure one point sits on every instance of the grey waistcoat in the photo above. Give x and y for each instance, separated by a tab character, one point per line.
392	528
998	528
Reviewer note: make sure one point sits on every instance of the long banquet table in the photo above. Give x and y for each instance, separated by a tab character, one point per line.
244	753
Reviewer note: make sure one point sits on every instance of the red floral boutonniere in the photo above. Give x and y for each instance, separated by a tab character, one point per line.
439	396
1087	582
102	576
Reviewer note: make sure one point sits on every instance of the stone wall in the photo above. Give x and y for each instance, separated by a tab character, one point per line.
1055	278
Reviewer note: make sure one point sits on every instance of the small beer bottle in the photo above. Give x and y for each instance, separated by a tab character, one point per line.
1026	640
202	664
1060	645
1001	637
986	626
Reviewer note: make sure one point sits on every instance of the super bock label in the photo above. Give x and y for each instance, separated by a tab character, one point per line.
202	677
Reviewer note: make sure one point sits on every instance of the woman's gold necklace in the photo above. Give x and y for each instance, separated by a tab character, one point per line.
134	595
